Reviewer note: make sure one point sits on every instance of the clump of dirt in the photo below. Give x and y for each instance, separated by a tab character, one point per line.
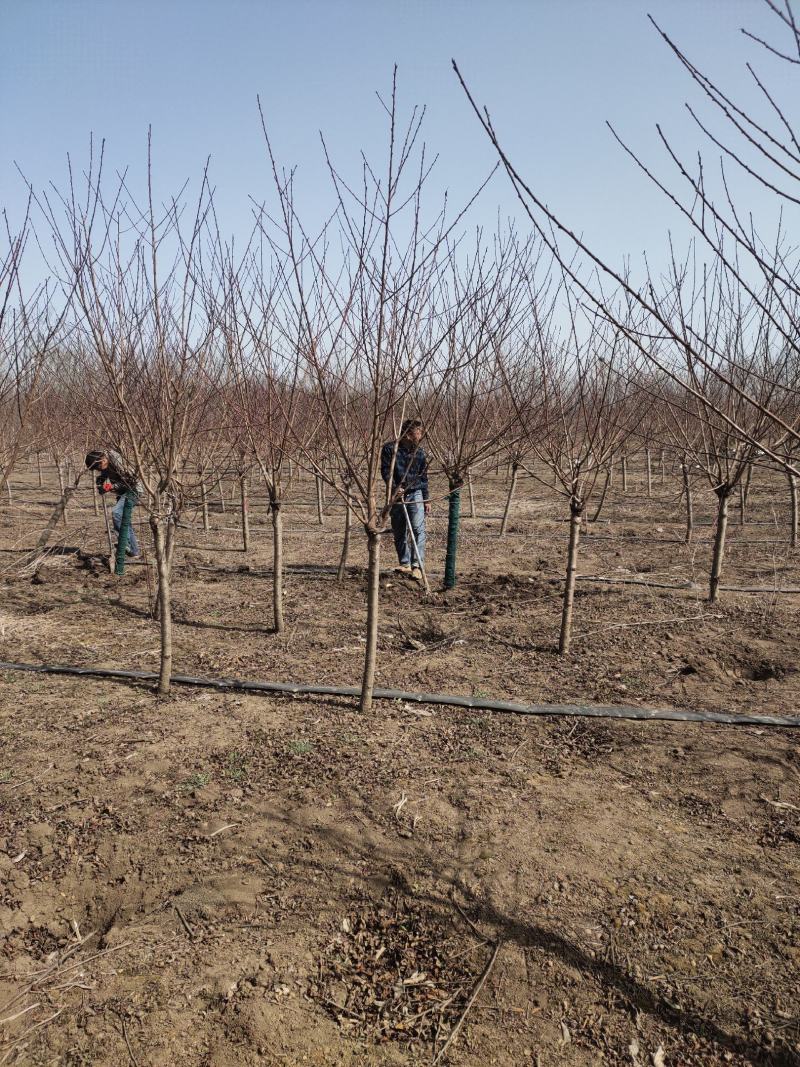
767	670
782	828
576	741
394	971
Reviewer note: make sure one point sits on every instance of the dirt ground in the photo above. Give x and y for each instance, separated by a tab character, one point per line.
230	879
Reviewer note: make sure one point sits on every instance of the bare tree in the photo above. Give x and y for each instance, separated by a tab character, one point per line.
152	358
366	326
583	382
767	271
30	327
486	298
270	392
720	417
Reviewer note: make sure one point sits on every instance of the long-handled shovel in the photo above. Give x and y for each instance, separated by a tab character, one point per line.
420	564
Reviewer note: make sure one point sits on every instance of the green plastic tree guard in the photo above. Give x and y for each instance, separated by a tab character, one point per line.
453	522
124	532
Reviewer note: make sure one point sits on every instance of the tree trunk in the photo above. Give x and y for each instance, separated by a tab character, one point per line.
320	515
649	472
453	523
611	471
221	496
6	472
62	489
373	596
509	498
39	468
793	498
277	564
723	495
596	515
624	473
95	498
348	522
163	541
471	495
744	494
244	503
576	512
687	489
47	532
204	501
663	470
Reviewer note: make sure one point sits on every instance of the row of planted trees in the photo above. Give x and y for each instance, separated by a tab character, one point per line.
308	349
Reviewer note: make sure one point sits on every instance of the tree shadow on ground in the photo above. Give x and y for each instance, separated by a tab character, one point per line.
212	548
199	624
511	929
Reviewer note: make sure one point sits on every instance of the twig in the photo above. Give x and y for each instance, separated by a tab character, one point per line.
182	918
266	862
60	969
11	1018
227	826
340	1008
29	1031
524	741
407	1020
473	997
67	803
134	1061
468	921
780	804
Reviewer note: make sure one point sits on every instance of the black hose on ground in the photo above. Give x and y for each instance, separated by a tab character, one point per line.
589	711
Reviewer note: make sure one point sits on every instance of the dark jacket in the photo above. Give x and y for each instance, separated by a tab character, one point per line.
121	478
410	468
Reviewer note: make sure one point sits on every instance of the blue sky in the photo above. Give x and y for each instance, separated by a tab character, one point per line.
551	73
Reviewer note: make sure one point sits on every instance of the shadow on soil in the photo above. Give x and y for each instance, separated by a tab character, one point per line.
508	928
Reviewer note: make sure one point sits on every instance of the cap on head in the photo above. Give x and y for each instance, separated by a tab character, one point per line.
93	458
408	425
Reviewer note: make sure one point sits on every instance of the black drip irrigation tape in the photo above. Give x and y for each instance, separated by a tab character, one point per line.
595	711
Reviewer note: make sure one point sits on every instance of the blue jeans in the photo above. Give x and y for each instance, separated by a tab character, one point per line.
116	518
402	538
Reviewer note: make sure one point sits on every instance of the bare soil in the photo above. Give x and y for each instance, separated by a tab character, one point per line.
230	879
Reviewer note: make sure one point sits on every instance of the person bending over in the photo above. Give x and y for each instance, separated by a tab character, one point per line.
410	493
113	476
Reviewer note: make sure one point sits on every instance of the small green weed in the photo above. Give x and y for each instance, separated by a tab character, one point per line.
194	781
5	776
301	748
236	767
351	739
